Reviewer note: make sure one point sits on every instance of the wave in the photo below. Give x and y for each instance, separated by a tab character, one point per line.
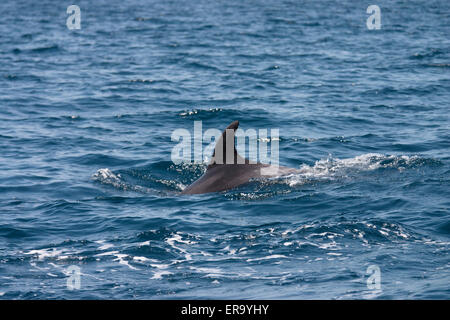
334	167
167	177
118	181
164	251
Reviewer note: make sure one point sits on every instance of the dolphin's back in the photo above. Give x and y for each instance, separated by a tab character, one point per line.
224	177
221	176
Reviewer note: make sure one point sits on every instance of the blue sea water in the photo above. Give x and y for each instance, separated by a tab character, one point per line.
86	178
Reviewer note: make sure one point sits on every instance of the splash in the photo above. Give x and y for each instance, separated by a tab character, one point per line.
330	168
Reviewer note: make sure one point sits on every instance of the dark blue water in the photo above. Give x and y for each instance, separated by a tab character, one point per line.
86	178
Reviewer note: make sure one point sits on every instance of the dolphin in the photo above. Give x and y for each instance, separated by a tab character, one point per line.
228	170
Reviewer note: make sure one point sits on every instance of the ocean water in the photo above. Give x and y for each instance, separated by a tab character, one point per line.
87	182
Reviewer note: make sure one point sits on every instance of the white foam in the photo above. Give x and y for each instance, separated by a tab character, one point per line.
106	174
177	238
45	253
274	256
334	167
230	251
207	270
108	253
144	259
106	246
159	274
121	259
159	266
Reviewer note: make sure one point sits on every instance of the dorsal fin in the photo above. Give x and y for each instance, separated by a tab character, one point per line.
225	149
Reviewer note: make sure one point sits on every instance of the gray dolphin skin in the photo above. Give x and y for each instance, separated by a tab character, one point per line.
225	173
